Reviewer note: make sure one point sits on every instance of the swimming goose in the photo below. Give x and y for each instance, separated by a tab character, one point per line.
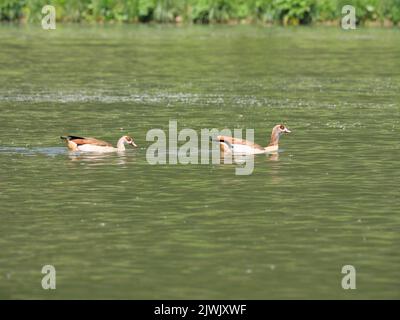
234	145
75	143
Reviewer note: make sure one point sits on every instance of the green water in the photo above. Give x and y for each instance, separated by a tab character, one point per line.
116	227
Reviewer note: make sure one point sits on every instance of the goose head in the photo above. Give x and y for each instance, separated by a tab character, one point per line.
277	131
280	128
129	140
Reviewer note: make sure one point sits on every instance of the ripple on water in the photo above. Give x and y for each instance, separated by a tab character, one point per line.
49	151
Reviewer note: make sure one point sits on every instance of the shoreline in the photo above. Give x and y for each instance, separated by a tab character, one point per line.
385	24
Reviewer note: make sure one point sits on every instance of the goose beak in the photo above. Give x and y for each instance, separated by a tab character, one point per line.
287	130
133	144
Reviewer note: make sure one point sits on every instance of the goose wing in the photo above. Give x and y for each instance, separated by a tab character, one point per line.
81	140
231	140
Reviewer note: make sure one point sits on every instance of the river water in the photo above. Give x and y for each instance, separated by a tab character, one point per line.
115	226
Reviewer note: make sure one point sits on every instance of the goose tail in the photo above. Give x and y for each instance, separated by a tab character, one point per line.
70	137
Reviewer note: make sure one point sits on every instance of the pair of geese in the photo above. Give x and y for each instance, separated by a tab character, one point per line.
227	144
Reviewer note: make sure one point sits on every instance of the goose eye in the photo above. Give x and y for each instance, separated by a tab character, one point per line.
282	127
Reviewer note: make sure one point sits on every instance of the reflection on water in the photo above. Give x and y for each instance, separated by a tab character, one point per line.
193	157
31	151
119	157
115	226
274	156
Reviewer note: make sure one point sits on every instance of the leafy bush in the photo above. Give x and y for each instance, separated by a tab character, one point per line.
327	10
295	11
391	10
11	10
201	11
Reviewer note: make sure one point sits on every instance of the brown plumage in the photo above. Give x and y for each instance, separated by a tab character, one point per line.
76	143
232	140
97	142
231	144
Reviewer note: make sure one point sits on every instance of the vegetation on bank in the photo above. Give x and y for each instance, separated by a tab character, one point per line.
285	12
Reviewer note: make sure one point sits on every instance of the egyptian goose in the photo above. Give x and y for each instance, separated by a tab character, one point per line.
94	145
239	146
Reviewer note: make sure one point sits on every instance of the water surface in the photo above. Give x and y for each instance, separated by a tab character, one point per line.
116	227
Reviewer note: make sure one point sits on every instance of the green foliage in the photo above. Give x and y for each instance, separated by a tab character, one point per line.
391	10
295	11
205	11
366	10
327	10
11	10
201	11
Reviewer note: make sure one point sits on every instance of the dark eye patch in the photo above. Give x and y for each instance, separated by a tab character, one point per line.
282	127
